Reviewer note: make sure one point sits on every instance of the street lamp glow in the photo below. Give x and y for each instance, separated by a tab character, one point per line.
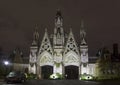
6	62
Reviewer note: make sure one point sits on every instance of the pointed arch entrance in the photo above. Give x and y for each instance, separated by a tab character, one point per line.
46	71
71	72
45	61
71	62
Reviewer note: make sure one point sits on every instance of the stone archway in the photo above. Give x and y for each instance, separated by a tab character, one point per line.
71	72
46	71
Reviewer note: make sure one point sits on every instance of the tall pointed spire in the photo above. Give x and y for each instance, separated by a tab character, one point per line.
82	24
45	30
58	38
82	33
82	30
58	14
58	19
35	36
70	30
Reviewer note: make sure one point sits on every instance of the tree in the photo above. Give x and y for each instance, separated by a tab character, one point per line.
104	63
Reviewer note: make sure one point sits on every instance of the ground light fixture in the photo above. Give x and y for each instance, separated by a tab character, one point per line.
86	77
53	76
56	76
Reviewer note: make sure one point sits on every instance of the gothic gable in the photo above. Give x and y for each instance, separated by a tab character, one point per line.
71	44
46	45
71	58
45	59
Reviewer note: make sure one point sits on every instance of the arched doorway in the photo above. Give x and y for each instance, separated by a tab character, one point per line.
71	72
46	71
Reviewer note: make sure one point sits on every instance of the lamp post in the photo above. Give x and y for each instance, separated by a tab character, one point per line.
6	63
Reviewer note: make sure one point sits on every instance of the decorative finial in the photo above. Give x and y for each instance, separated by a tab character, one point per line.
70	29
82	24
45	29
35	35
58	14
36	27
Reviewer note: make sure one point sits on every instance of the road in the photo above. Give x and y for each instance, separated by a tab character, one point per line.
63	82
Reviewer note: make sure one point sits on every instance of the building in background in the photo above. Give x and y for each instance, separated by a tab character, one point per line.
19	63
115	54
108	64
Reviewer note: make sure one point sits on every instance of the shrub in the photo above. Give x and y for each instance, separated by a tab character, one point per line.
31	76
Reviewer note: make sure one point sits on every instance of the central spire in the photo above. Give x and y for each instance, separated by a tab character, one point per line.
58	14
58	31
58	19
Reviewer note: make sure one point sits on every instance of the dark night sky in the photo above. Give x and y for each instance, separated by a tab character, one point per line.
18	19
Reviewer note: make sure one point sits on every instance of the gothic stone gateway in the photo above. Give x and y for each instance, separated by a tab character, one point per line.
63	56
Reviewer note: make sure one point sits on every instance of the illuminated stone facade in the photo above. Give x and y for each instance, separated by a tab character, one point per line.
63	55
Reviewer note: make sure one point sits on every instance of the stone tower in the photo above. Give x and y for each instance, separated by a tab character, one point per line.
33	52
58	43
83	50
